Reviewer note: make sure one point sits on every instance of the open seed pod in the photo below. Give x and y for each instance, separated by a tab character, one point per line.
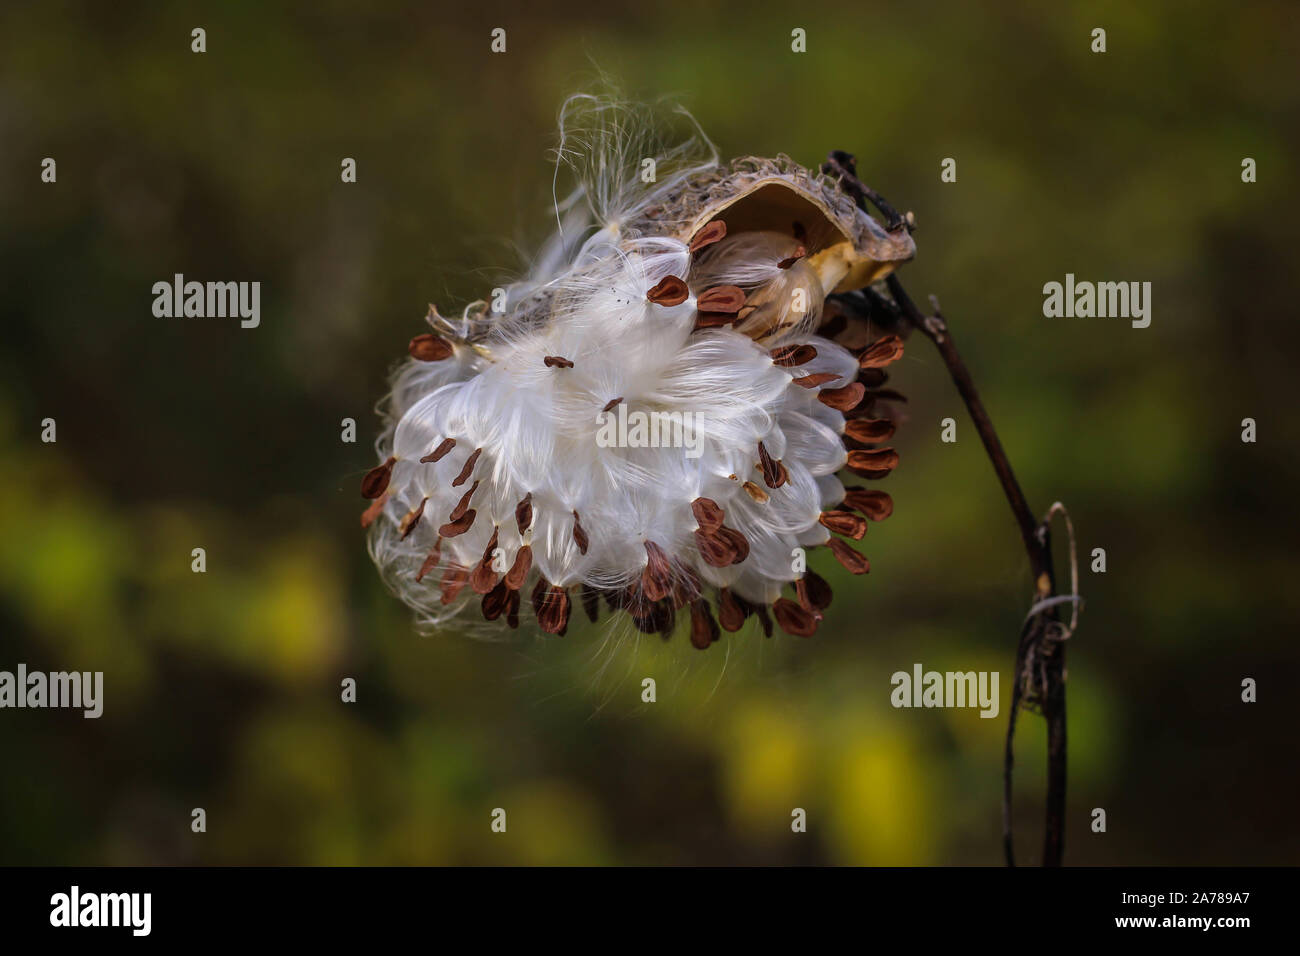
649	419
846	247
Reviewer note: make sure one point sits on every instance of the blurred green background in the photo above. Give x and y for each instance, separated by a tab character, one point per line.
222	689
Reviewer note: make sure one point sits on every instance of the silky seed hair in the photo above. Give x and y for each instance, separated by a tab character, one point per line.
698	292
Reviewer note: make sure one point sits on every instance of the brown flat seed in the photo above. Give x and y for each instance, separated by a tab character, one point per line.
657	578
789	356
552	610
873	377
453	579
704	629
790	260
872	474
847	556
463	505
870	430
881	352
686	588
774	473
375	482
484	576
431	561
468	470
873	464
845	523
374	510
518	572
524	513
668	291
722	298
446	445
429	348
876	505
462	524
763	619
715	549
714	320
801	592
833	325
612	404
755	492
591	603
512	609
556	361
819	592
483	579
842	399
667	622
793	619
708	515
579	534
812	381
738	542
496	601
412	518
730	614
708	235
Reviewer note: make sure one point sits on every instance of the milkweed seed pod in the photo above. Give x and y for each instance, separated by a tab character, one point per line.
649	419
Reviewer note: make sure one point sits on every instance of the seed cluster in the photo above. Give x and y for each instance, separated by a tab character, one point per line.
493	423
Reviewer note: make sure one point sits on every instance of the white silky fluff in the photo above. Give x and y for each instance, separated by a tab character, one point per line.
585	300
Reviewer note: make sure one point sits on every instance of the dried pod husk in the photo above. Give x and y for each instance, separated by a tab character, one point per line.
846	247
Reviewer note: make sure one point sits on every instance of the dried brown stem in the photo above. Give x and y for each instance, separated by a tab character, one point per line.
1040	654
